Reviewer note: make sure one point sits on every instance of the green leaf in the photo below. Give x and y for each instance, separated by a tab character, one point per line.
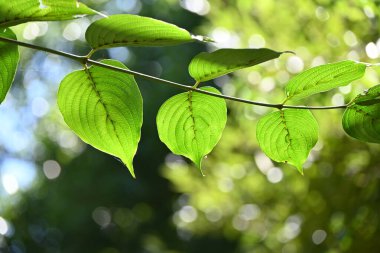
207	66
288	135
104	108
361	120
191	123
132	30
9	58
323	78
14	12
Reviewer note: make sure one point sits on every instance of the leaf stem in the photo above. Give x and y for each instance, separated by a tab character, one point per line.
83	60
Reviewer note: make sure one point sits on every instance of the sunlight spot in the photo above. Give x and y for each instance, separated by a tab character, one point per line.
51	169
213	214
240	224
42	5
353	55
267	84
274	175
350	38
10	183
319	60
369	12
40	107
322	14
188	214
130	6
337	99
201	7
238	172
224	38
345	89
256	41
3	226
102	216
294	64
291	229
67	139
372	50
249	211
72	31
319	236
119	53
225	184
263	162
282	76
254	77
31	31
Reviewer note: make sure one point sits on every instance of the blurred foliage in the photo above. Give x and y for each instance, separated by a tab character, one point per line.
245	203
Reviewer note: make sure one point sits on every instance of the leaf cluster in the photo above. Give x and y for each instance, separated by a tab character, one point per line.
104	107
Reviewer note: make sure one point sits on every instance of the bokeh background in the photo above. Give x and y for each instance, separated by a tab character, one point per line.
59	195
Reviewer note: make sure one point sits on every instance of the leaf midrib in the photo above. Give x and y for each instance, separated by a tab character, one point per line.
93	84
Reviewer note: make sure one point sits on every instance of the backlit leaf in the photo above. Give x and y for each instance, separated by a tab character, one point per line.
191	123
288	135
361	120
104	108
9	57
207	66
133	30
14	12
323	78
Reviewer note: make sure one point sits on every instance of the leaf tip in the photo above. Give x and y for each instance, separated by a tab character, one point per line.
289	52
300	169
202	38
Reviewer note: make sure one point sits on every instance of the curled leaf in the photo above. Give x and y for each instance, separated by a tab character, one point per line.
361	119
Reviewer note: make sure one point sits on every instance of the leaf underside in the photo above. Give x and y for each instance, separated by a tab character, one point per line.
207	66
14	12
288	135
133	30
191	123
323	78
361	120
104	108
9	58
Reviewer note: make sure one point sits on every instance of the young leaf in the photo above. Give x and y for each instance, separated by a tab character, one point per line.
288	135
361	120
14	12
132	30
207	66
191	123
323	78
9	57
104	108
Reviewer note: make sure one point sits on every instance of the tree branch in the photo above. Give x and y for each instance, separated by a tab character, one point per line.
84	60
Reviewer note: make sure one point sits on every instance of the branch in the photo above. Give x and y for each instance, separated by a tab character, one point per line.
84	60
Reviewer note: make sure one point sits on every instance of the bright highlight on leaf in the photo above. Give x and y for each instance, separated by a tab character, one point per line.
207	66
104	108
9	57
132	30
14	12
288	136
323	78
361	120
191	123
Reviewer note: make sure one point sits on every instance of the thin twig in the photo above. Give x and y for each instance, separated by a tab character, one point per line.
84	60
